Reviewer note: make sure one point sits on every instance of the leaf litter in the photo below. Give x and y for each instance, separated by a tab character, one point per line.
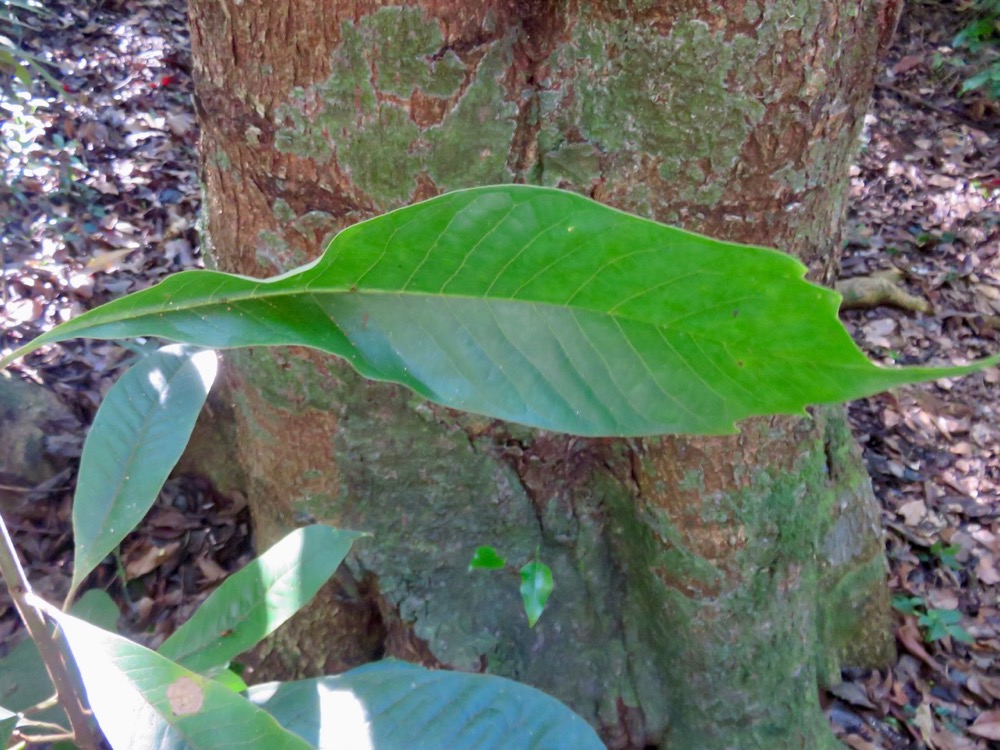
925	214
103	199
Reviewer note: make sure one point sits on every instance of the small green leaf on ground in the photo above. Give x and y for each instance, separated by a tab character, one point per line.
909	605
486	558
536	586
941	623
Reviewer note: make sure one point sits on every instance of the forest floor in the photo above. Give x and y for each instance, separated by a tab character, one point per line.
102	196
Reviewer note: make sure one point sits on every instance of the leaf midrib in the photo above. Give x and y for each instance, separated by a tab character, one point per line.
149	419
254	295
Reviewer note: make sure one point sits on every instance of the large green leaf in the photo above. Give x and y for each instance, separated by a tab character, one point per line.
252	603
143	700
137	437
541	307
398	706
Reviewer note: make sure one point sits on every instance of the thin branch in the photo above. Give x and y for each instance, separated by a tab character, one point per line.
52	656
36	738
920	101
42	725
45	705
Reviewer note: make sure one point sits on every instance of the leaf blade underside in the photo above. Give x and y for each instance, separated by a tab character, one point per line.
541	307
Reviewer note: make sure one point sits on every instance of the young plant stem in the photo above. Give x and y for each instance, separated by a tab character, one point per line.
84	734
43	725
52	700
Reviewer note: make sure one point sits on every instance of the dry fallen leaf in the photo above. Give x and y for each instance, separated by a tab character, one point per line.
945	740
179	123
987	569
985	687
906	64
852	693
877	331
913	512
909	636
924	722
942	598
858	743
209	568
106	262
149	559
987	725
941	181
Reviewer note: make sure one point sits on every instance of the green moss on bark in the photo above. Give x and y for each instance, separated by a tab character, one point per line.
380	63
472	145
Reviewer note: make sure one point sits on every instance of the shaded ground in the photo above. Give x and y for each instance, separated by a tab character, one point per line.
925	215
102	198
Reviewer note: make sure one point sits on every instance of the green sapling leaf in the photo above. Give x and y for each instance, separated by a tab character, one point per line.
143	700
137	437
486	558
253	602
536	586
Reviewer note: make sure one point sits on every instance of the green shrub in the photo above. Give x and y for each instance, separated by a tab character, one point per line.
981	36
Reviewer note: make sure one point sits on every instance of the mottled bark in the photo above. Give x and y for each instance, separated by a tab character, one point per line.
704	587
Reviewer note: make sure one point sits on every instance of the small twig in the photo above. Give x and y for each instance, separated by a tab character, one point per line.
52	656
911	537
45	705
43	725
36	490
14	488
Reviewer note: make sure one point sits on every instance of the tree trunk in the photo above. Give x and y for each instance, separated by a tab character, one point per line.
704	587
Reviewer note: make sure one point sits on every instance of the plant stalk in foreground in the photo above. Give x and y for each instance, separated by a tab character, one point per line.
52	656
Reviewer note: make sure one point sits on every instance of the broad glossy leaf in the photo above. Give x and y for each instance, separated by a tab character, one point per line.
536	587
98	608
398	706
230	680
542	307
253	602
137	437
143	700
